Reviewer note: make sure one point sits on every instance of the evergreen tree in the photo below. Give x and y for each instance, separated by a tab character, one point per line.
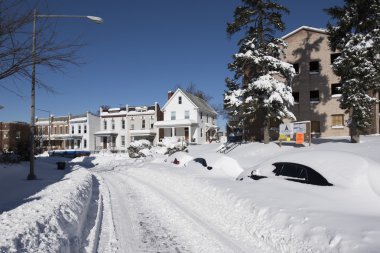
260	87
357	35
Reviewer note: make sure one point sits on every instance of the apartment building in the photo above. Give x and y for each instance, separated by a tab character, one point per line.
315	86
122	125
14	136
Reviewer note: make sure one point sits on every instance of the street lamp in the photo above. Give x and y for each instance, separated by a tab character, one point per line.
97	20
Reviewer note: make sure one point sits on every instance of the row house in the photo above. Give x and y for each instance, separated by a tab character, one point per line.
14	136
123	125
316	89
189	118
66	132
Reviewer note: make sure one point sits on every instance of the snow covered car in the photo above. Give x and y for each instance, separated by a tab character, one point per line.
203	162
290	171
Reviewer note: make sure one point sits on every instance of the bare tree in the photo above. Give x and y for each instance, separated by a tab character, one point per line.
16	17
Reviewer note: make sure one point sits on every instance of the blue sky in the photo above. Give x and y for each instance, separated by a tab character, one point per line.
142	50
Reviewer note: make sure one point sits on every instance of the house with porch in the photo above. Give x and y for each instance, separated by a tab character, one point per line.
123	125
188	117
67	132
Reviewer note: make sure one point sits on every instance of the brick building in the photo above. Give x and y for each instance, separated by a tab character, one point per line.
14	136
315	86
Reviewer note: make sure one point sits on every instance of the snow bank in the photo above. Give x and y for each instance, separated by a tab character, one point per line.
52	220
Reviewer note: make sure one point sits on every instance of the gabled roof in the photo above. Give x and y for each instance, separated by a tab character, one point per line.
308	28
198	102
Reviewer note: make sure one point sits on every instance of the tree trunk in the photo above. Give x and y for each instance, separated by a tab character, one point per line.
354	133
266	131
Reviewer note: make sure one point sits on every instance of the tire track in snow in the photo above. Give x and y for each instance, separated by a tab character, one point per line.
137	228
201	233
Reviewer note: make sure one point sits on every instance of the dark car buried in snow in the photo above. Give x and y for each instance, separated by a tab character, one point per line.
290	171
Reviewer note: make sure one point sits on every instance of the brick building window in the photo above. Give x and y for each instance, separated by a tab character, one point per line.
123	123
314	67
336	89
105	124
79	129
296	96
85	129
337	120
314	96
143	124
296	67
333	57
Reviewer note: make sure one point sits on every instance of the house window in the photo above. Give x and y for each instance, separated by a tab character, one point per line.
55	130
123	140
187	114
5	135
314	67
113	124
179	100
337	120
314	96
123	123
151	125
143	124
79	129
172	115
105	124
132	126
72	129
315	127
296	96
60	130
296	67
336	89
85	129
66	129
333	57
84	143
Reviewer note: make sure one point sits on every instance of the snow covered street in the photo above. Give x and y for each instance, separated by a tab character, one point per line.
113	203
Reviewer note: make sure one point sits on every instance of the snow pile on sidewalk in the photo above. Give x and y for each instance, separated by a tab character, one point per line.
52	220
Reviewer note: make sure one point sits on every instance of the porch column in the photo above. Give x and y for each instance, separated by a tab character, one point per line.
190	136
173	131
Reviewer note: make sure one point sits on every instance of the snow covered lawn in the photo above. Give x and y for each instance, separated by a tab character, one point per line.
112	203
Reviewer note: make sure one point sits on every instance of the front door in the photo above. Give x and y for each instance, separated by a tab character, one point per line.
186	133
104	142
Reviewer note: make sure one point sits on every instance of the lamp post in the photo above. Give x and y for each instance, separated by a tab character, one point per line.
97	20
49	127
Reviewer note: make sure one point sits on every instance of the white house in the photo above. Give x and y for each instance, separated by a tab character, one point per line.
81	131
188	117
120	126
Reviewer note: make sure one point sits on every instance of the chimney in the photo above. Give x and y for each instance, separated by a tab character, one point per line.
170	94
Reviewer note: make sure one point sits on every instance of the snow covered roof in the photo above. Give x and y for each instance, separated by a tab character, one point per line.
202	105
312	29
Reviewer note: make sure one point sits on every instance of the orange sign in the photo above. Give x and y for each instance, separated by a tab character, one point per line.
299	138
